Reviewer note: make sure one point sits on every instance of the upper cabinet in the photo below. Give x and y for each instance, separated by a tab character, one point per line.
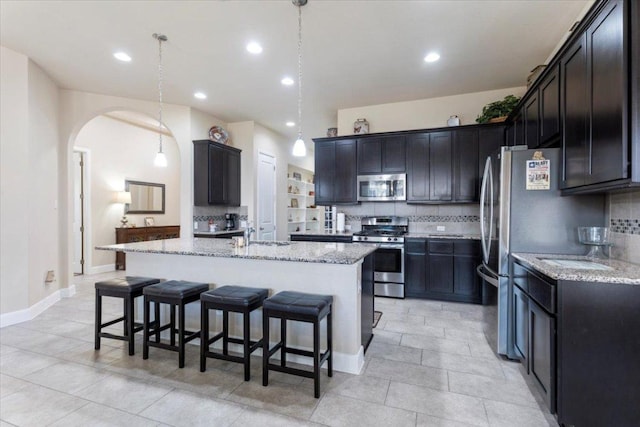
549	99
335	171
381	155
216	174
532	122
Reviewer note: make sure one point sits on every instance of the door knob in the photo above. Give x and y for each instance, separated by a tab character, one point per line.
261	228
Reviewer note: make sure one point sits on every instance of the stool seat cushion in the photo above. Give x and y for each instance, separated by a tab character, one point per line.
299	303
126	284
176	288
235	295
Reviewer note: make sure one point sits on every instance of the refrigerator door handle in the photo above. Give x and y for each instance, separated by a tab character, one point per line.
484	203
489	278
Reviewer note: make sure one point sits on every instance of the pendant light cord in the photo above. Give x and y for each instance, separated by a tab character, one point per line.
299	71
161	38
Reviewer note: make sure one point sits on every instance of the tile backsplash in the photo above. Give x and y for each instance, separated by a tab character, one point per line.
422	218
623	210
202	215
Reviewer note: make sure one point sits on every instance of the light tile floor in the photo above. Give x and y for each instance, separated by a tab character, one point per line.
428	365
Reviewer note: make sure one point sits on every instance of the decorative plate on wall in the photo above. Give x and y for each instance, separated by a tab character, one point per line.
218	134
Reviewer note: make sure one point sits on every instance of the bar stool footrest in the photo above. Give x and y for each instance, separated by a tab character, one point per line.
289	370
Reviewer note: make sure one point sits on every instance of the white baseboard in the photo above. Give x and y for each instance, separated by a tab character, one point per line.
107	268
19	316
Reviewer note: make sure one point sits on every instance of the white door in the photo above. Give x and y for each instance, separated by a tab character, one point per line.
266	221
78	211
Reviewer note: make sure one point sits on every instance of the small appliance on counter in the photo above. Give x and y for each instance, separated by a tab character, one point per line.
231	221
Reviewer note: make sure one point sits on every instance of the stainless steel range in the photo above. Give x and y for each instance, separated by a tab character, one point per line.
388	232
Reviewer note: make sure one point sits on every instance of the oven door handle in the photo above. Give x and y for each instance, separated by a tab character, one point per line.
391	246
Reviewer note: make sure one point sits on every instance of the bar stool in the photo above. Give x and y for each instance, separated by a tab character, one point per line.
128	288
238	299
301	307
176	293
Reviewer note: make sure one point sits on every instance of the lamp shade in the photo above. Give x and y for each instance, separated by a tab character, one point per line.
123	197
299	149
160	160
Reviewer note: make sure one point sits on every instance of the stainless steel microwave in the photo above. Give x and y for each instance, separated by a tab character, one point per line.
382	187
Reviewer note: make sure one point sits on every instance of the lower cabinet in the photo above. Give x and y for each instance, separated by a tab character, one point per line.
521	325
442	269
542	352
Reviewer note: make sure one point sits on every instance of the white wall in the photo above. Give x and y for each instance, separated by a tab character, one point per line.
14	177
422	113
120	151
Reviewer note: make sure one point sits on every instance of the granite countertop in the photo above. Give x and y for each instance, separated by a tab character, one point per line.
217	233
436	235
328	253
619	272
323	233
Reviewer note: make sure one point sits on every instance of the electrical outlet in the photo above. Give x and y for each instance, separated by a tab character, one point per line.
440	228
51	276
195	225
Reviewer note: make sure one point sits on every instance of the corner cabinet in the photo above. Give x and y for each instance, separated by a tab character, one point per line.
142	234
216	174
335	171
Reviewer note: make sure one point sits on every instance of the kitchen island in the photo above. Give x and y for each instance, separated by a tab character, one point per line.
344	271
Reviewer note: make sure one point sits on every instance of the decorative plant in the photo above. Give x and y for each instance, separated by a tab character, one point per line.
498	109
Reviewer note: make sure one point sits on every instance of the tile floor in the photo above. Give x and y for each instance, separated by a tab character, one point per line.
428	365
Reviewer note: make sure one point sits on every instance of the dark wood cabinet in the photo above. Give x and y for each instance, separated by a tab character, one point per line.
549	99
381	155
521	324
216	174
542	351
466	179
142	234
490	139
595	89
429	167
531	122
335	171
442	269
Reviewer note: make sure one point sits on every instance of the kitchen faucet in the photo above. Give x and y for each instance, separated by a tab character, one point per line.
247	233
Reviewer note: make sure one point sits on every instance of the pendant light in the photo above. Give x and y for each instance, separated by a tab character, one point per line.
299	149
161	158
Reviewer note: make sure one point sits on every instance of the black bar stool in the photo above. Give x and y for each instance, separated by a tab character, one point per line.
236	299
301	307
176	293
128	288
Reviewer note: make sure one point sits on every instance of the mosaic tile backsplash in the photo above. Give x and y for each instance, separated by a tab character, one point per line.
623	210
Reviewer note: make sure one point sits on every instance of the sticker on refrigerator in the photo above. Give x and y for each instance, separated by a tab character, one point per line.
538	174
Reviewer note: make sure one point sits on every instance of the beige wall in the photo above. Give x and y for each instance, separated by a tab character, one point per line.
29	163
422	113
120	151
14	178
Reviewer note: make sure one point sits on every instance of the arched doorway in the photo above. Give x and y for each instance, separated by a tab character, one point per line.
117	146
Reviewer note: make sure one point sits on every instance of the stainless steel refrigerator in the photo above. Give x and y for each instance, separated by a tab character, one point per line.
522	210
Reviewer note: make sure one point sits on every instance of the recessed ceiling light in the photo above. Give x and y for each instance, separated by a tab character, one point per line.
287	81
291	124
200	95
254	48
432	57
121	56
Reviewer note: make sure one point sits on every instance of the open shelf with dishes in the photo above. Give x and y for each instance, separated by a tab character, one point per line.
302	212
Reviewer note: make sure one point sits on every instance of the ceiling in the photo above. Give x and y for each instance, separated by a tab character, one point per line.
356	53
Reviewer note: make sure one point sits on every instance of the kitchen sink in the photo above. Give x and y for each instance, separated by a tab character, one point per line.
575	264
269	243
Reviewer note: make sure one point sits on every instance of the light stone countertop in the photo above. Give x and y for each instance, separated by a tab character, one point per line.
322	233
217	233
327	253
436	235
621	272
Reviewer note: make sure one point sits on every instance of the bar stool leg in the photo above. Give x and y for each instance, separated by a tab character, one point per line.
145	328
98	321
173	324
316	358
330	345
265	347
125	327
204	335
156	313
247	345
283	339
225	332
181	336
129	321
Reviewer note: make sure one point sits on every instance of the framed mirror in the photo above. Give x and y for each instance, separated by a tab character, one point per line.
146	197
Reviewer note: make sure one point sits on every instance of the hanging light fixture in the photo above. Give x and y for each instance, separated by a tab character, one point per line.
299	149
161	158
